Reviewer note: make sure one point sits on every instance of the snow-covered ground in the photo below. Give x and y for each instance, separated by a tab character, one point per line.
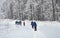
46	29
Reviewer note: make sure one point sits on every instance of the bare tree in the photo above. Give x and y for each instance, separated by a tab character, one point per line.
11	11
53	5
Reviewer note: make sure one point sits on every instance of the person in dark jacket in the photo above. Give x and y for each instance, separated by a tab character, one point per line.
20	22
16	22
24	23
32	24
35	26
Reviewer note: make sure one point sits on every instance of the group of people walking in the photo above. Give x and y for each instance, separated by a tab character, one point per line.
33	24
20	23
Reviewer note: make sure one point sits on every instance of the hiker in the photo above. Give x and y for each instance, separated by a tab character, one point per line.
20	22
32	23
35	26
24	23
16	22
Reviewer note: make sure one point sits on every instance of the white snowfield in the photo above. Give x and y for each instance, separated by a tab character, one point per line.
45	29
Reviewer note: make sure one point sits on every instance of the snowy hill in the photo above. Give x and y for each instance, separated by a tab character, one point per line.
45	29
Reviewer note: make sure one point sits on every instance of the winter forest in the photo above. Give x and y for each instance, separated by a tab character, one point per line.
44	10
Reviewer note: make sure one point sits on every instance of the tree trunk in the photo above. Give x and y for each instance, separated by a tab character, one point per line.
53	5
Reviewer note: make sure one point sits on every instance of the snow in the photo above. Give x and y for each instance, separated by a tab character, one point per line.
45	29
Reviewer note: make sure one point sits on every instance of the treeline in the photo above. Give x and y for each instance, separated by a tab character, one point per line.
31	10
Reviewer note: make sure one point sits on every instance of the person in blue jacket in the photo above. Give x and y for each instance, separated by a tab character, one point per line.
35	26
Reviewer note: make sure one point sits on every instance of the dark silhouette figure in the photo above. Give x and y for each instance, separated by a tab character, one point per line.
35	26
24	23
18	22
32	24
